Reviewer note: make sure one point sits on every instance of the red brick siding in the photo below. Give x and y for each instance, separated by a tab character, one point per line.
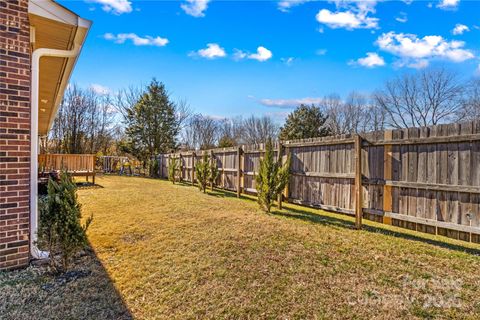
14	133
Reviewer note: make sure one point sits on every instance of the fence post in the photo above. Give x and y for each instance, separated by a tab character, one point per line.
223	168
212	159
167	166
239	171
162	164
194	158
280	158
387	175
358	182
94	163
180	158
242	164
286	192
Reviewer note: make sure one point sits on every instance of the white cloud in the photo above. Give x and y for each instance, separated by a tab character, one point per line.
114	6
285	5
321	52
195	8
412	50
448	4
353	15
239	54
290	103
278	116
460	29
346	19
418	64
136	40
212	51
402	17
372	60
288	61
216	117
99	89
262	54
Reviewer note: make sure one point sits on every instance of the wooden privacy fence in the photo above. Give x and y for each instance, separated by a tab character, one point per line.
111	164
425	179
75	164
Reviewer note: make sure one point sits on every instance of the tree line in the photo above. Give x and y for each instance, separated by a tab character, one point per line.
146	121
85	123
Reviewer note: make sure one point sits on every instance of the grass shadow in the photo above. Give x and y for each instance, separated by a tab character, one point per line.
319	218
216	192
85	291
88	185
305	215
221	193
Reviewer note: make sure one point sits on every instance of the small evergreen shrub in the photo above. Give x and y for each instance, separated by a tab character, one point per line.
60	230
173	168
154	168
202	170
272	178
214	173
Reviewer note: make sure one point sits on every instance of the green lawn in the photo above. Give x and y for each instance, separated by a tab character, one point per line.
166	251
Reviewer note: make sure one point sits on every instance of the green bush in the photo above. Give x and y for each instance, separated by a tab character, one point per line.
60	230
272	178
154	168
173	168
202	170
214	173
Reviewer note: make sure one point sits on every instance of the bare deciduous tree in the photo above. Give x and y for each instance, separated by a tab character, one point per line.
231	132
425	98
201	132
357	114
183	113
333	108
471	103
84	123
375	117
259	129
126	99
204	132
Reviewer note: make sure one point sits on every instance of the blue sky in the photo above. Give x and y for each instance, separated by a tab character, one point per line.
229	58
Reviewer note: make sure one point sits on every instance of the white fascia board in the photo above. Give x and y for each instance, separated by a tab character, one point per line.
53	11
78	41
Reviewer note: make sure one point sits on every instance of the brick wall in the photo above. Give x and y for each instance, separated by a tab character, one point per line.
14	133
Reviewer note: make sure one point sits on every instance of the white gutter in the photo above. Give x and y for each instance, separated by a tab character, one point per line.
37	54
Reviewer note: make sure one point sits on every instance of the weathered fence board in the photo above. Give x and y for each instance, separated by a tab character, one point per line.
426	179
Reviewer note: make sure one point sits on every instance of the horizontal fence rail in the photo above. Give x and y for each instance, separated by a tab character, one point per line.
68	162
75	164
426	179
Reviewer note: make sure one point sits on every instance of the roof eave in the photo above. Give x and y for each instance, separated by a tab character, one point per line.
54	11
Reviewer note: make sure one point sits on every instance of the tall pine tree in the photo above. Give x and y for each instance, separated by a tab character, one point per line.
305	122
152	123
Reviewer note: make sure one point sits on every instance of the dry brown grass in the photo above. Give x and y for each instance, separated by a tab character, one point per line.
174	252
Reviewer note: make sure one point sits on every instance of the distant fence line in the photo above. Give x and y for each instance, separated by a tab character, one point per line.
110	164
426	179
